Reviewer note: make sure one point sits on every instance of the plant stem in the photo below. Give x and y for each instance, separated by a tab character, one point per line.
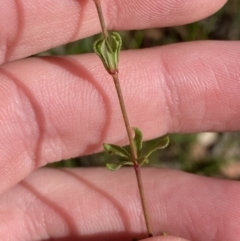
134	154
127	125
125	116
101	18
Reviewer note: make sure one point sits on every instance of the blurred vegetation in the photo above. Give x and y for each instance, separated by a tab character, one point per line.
211	154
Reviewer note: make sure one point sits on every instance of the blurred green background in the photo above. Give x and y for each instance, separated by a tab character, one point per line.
211	154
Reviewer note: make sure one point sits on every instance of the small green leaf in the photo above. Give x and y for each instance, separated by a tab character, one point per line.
142	160
115	166
138	139
108	50
117	150
127	163
160	144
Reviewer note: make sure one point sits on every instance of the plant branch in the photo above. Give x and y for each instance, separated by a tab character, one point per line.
125	116
134	154
101	18
114	73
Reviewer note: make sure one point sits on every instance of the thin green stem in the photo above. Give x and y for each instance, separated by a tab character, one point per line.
101	18
134	154
127	125
125	116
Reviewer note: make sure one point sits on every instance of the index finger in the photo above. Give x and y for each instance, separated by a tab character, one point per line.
30	26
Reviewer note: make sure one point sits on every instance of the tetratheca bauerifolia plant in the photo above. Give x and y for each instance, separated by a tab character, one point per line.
108	49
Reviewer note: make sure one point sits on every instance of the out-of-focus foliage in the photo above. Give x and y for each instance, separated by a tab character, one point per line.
212	154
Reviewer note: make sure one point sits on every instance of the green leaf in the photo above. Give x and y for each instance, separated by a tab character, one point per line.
160	144
113	166
117	150
108	50
138	139
117	165
142	160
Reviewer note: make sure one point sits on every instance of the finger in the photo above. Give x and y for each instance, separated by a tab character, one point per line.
38	26
90	204
58	108
164	238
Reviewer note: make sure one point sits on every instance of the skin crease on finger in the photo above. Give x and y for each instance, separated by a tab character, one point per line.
96	204
58	108
37	25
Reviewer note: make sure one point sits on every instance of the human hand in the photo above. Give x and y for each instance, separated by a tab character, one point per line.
57	108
